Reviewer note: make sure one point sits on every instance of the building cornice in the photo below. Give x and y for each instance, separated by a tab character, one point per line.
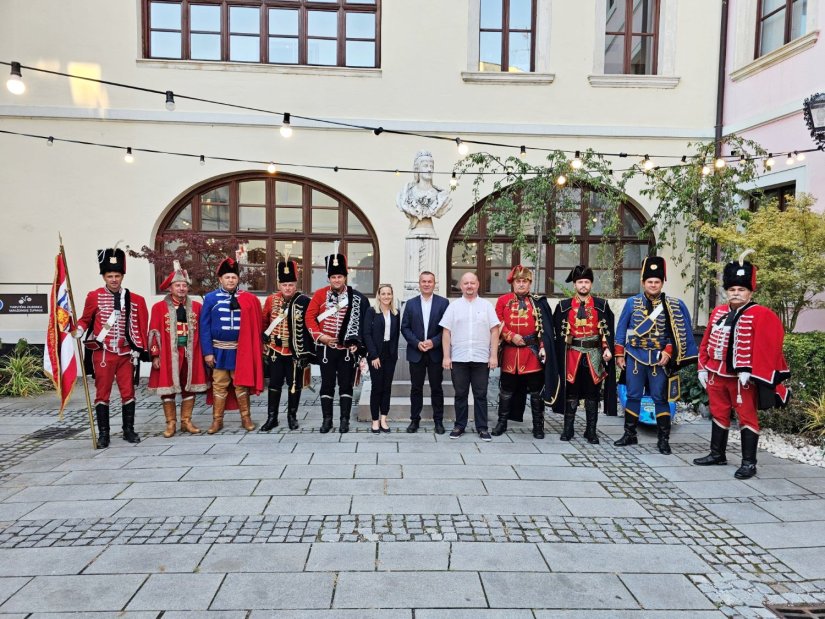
633	81
249	67
520	79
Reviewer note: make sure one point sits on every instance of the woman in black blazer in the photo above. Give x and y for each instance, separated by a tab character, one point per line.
383	329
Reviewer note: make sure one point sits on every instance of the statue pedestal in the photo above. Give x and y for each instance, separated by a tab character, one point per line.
420	254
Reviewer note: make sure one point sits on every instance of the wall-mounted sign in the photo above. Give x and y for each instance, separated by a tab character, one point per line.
24	303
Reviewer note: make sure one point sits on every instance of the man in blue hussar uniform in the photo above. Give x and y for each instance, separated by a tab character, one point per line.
654	338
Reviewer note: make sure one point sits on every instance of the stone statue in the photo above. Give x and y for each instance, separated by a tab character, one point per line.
420	201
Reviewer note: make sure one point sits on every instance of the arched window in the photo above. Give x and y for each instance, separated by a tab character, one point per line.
275	214
579	240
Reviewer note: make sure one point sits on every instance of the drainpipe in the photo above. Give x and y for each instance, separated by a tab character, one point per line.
720	117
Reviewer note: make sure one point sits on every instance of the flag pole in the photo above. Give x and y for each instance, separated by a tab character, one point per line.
79	346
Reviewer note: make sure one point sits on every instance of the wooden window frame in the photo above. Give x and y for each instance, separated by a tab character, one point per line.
760	18
270	235
628	35
341	7
582	240
505	36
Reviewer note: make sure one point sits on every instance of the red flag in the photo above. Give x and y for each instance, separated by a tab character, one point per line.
59	359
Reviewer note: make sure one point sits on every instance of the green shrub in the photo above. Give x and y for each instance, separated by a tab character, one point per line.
692	392
805	353
21	372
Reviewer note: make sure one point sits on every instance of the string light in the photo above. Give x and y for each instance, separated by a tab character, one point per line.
463	149
453	181
705	170
647	164
15	82
684	158
790	159
522	152
271	168
129	157
170	101
742	158
286	125
720	163
203	160
799	156
50	141
561	180
769	161
378	130
397	173
577	162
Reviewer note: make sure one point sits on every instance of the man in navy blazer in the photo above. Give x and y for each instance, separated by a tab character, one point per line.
420	328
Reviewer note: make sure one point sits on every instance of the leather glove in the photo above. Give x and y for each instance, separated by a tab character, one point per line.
703	378
744	377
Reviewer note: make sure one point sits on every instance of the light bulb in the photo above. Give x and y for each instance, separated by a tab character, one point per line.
799	156
523	152
15	82
286	127
203	160
129	157
769	161
271	168
463	149
453	181
170	101
50	141
647	164
720	163
577	162
561	180
705	170
789	160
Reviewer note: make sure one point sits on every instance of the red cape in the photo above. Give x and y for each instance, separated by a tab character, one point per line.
163	344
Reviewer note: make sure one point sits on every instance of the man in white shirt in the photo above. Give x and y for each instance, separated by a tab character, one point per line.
470	343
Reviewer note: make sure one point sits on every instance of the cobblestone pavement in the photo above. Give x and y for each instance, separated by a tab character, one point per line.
335	524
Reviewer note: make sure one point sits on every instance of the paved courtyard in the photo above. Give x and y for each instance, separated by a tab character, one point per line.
299	524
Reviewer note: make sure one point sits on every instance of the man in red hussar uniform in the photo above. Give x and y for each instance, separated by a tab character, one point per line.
177	362
336	321
522	351
741	365
230	332
115	320
288	346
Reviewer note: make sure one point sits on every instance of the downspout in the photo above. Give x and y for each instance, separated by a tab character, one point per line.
720	117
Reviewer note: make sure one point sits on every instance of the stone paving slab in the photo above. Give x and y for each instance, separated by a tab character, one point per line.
614	508
628	614
282	487
255	558
343	458
310	505
276	591
742	513
177	592
807	562
717	489
479	613
559	473
375	471
9	586
420	458
785	534
76	509
546	488
45	561
557	590
413	556
181	462
10	512
79	593
342	557
164	507
384	613
221	473
484	556
127	475
272	458
405	504
347	486
144	559
238	506
776	487
409	590
790	511
66	492
613	558
319	471
22	480
506	506
189	489
666	591
436	486
432	471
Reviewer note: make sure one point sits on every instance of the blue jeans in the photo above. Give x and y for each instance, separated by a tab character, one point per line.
464	375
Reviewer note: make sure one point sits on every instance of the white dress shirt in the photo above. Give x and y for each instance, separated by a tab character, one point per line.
426	307
469	323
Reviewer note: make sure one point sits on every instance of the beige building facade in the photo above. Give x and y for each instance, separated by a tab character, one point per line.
574	80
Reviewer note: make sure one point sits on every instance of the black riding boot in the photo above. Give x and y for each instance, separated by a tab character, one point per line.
750	440
346	408
292	401
718	446
326	414
663	424
569	420
102	414
129	434
505	401
537	411
629	437
273	403
591	409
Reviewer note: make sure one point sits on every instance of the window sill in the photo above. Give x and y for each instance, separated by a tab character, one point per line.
633	81
488	77
797	46
251	67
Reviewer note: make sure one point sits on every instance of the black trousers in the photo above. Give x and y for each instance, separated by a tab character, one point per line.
337	366
465	375
281	369
583	388
418	371
382	383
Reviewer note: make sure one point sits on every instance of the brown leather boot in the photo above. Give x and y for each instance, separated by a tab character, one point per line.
218	406
171	415
186	424
243	407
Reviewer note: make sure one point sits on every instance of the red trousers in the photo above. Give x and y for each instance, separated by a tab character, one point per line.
724	393
109	368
